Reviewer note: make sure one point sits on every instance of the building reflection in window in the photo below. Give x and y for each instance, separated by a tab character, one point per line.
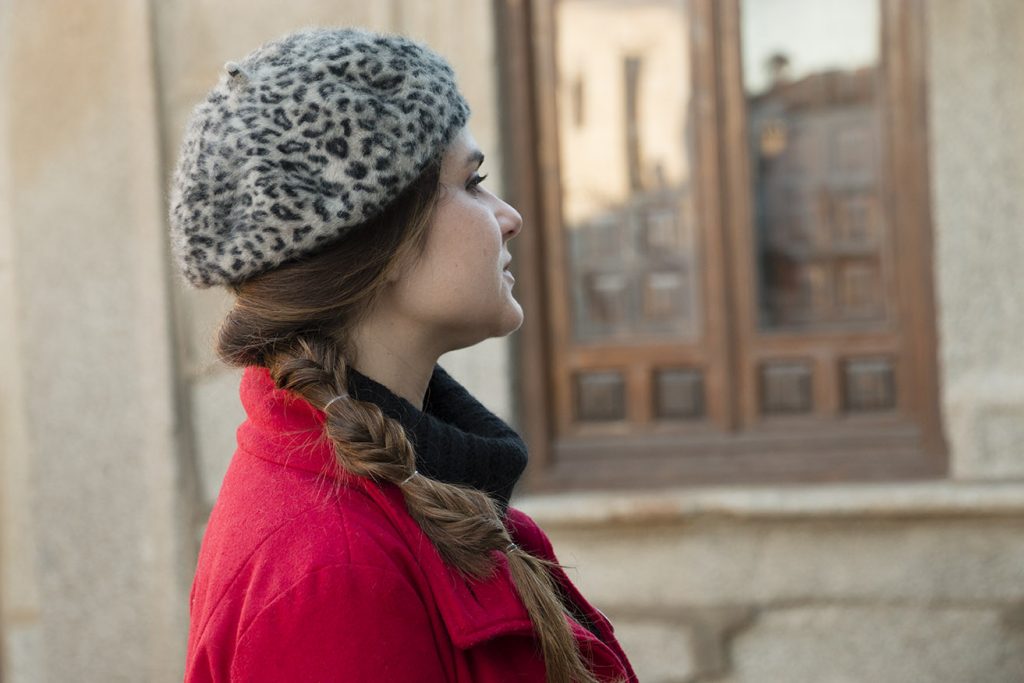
626	144
811	77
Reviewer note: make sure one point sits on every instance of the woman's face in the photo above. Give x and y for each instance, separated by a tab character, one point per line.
458	289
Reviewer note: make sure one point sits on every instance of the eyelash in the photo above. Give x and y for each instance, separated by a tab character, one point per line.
476	180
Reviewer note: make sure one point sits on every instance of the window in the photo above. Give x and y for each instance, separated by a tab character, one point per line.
730	249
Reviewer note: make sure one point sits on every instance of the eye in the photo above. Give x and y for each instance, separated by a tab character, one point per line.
474	181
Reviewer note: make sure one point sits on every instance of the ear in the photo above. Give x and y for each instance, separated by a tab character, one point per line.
393	276
401	265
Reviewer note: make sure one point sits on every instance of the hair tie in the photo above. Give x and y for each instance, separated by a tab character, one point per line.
414	473
336	398
511	547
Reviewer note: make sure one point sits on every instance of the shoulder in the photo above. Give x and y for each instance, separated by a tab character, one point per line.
252	554
300	528
283	520
322	582
528	534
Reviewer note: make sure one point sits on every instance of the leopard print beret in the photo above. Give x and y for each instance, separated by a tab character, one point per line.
300	141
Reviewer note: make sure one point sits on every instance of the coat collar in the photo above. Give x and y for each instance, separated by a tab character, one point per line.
455	437
285	429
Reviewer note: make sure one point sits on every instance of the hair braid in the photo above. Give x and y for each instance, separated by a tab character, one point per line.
463	523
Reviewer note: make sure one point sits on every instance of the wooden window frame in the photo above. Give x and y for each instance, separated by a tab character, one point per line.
744	447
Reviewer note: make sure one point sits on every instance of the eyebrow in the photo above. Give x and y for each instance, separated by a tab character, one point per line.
477	156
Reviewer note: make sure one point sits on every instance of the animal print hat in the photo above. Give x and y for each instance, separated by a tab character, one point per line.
306	137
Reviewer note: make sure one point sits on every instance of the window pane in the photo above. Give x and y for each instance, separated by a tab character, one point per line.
626	168
812	83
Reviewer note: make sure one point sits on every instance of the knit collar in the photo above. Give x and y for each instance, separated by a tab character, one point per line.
456	439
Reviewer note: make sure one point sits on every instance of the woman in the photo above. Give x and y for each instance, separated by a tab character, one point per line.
362	531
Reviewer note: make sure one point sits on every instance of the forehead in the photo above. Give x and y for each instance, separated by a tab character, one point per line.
463	152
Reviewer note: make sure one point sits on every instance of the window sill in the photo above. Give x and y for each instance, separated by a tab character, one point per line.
794	502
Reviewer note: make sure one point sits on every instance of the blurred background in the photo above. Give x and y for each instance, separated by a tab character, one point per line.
771	373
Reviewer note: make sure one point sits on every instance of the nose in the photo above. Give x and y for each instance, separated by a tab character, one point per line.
510	219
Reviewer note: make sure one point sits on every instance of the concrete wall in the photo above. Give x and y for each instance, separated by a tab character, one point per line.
18	595
93	567
977	146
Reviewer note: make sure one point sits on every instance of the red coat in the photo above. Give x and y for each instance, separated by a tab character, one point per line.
293	584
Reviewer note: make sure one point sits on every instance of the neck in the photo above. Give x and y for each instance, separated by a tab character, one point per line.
400	358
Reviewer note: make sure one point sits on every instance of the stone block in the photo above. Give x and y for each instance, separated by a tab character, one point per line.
1002	441
216	414
975	94
24	653
202	311
880	644
984	414
711	563
660	652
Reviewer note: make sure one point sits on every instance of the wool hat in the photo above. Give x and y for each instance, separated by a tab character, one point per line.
305	138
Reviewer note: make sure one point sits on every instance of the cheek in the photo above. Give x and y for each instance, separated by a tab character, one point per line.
440	281
466	234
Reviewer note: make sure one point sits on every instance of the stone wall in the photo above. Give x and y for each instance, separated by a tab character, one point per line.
977	147
883	583
93	567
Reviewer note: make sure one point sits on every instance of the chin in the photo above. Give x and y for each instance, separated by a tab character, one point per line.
511	319
514	318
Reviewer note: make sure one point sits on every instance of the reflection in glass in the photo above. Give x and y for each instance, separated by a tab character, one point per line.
811	77
626	157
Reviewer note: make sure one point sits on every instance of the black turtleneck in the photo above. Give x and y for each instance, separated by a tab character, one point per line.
457	440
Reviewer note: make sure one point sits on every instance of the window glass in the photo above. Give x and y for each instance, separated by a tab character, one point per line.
625	125
812	83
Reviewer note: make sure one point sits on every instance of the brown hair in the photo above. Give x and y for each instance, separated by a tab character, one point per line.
294	320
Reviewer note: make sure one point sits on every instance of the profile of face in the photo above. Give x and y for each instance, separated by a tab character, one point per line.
458	291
